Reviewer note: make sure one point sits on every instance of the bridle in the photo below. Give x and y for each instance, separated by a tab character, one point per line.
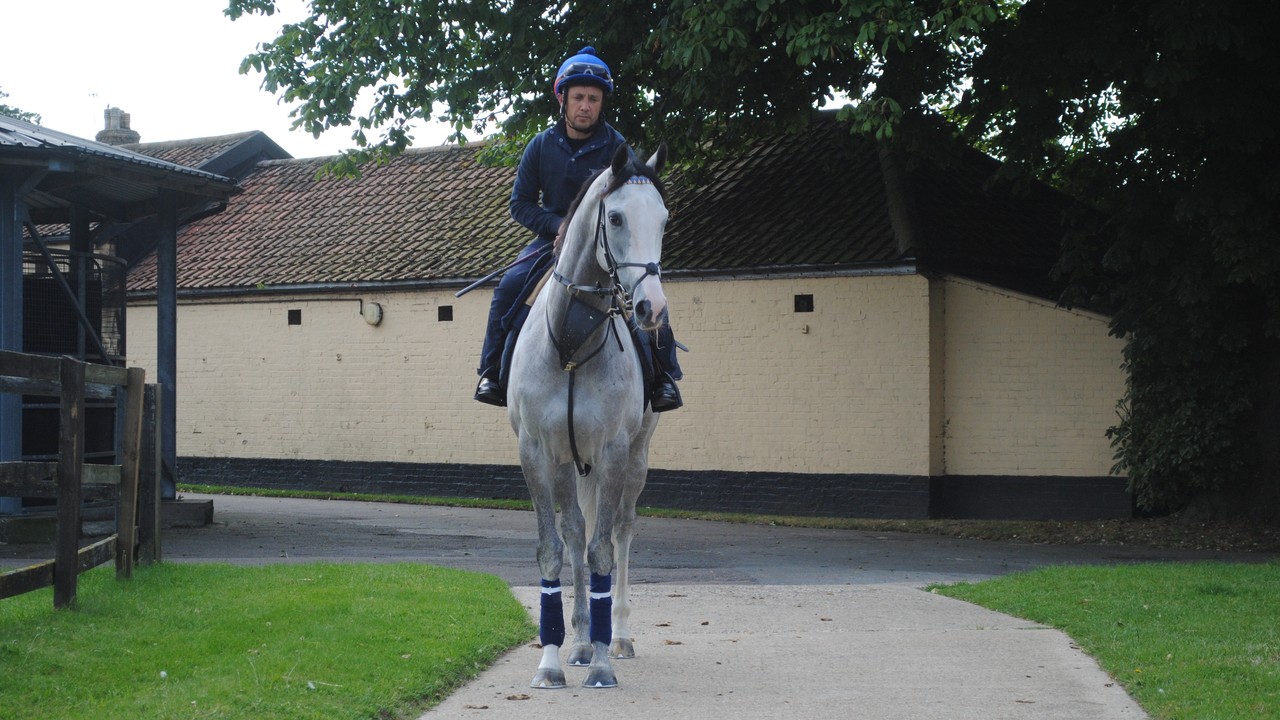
582	319
616	292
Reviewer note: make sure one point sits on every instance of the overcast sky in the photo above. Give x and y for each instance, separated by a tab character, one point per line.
173	65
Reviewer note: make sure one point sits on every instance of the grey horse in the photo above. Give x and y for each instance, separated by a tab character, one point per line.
577	403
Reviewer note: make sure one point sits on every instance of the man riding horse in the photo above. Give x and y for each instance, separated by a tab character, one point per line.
554	165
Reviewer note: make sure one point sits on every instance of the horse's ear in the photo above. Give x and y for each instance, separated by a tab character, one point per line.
621	157
658	159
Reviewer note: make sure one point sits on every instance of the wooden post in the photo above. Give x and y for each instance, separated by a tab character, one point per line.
149	479
70	467
127	512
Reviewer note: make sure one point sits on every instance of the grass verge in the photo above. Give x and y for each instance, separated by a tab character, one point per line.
1188	641
323	641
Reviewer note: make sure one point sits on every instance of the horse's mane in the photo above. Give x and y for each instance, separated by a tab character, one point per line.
632	169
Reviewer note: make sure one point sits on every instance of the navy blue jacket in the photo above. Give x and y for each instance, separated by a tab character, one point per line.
551	174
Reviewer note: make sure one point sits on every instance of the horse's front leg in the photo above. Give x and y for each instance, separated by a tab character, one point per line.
600	560
573	528
550	561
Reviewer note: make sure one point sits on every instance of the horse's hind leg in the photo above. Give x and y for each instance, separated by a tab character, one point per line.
602	559
622	646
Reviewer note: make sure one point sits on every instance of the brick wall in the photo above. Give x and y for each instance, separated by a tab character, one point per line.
332	387
1030	389
841	389
837	390
885	377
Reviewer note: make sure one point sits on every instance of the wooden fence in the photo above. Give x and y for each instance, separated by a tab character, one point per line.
66	479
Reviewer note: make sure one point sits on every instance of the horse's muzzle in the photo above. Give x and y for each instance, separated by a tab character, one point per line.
650	302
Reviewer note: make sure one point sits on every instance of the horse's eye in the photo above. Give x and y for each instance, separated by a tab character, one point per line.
615	219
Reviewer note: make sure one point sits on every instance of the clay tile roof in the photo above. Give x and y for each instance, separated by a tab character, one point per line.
428	214
811	200
820	201
191	153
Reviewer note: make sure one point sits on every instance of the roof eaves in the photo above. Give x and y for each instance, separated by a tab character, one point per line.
27	139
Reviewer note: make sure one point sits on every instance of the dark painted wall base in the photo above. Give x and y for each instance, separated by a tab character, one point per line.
994	497
864	496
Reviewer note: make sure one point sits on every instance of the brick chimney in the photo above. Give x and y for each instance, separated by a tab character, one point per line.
117	131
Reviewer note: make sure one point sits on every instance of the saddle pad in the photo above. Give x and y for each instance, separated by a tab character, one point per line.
537	287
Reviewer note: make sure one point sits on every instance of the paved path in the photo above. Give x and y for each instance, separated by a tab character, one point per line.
730	621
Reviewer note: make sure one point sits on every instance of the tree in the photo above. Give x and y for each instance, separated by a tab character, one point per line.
1144	110
1150	111
14	112
698	75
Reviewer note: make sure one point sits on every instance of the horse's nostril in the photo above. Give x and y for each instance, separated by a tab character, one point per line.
643	307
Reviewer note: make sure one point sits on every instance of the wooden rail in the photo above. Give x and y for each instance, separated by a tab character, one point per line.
73	381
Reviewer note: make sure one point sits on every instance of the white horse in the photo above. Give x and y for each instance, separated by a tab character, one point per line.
577	402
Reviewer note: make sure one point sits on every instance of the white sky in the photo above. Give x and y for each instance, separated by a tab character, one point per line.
173	65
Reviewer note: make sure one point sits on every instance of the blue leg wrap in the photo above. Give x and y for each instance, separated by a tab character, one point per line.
551	621
601	609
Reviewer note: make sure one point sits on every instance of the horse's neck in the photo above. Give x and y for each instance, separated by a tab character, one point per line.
580	275
577	262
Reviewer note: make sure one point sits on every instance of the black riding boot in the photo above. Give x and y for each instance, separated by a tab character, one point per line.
491	393
665	395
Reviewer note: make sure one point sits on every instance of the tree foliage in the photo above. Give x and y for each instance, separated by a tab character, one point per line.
1150	112
14	112
698	75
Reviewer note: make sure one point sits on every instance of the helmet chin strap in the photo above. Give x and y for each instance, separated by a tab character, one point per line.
589	131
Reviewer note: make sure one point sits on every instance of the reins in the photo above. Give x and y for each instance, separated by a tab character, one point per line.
619	305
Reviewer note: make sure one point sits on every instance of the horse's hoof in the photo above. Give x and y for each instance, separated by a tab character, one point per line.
580	656
601	678
622	649
548	679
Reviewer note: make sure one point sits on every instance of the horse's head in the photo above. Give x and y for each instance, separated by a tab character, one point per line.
632	218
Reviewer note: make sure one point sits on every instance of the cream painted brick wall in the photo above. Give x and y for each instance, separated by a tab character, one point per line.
334	387
1030	389
847	396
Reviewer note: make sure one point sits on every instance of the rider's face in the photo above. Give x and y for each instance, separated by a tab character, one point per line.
582	106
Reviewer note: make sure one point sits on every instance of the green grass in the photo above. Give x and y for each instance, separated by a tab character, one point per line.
323	641
1188	641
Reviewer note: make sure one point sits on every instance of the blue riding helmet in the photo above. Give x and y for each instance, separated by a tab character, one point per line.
584	67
